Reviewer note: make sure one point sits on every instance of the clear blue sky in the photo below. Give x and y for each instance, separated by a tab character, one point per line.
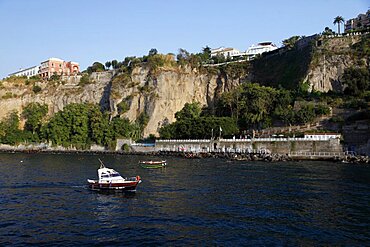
95	30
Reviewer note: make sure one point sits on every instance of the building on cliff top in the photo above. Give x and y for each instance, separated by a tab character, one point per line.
32	71
362	21
226	52
260	48
52	66
56	66
250	54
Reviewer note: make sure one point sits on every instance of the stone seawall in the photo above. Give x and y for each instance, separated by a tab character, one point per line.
261	145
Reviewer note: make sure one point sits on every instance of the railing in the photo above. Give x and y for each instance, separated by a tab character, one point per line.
316	154
218	150
184	141
269	139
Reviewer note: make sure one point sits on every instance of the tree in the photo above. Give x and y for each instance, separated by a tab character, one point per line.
206	53
122	127
357	80
96	67
114	64
306	114
182	56
70	126
290	42
10	132
34	114
189	111
153	52
338	20
98	126
108	64
327	31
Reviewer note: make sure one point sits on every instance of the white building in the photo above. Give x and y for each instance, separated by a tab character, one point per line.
260	48
32	71
226	52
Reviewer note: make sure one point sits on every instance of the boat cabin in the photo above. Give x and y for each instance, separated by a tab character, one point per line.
107	175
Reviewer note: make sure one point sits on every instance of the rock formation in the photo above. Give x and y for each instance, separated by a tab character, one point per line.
160	93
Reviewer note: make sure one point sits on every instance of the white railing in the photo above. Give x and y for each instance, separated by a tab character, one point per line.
184	141
268	139
317	154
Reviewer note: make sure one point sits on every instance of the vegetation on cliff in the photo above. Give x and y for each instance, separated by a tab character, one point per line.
192	124
77	125
249	106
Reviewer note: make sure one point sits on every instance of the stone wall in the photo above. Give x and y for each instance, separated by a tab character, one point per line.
268	145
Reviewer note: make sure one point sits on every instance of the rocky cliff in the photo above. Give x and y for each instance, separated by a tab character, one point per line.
318	61
160	93
330	58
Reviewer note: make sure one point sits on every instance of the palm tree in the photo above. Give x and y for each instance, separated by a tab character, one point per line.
338	20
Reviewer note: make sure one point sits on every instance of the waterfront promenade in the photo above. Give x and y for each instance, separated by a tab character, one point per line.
254	149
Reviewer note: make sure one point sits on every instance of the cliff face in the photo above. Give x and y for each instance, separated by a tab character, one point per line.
330	58
162	94
159	95
13	97
317	61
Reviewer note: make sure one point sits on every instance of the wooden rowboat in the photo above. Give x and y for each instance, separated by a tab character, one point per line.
153	164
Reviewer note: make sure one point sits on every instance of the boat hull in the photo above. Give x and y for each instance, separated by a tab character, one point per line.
152	164
114	187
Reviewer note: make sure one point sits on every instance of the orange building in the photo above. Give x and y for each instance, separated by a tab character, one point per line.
56	66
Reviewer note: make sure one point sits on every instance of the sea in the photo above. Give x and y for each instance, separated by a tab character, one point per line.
44	201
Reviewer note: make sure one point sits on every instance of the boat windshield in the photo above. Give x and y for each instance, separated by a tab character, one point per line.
109	174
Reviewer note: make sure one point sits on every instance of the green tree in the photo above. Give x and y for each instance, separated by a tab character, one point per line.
290	42
189	111
206	53
168	131
99	131
306	114
357	80
96	67
36	89
70	126
34	113
327	31
152	52
259	103
114	64
10	132
108	64
338	20
85	79
183	56
121	127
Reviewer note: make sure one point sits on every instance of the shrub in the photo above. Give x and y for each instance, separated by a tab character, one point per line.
55	77
85	79
36	89
8	95
125	147
123	107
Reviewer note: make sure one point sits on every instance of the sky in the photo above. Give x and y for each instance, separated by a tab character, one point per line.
85	31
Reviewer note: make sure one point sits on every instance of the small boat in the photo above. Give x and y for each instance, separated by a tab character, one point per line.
153	164
111	180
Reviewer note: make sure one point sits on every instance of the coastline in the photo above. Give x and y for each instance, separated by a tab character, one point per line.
265	157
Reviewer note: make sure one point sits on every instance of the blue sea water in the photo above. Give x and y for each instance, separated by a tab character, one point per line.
44	201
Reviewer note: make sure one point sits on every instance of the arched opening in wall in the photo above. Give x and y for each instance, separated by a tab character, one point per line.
215	146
